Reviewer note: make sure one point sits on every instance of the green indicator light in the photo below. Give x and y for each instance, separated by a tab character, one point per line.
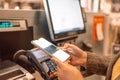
6	25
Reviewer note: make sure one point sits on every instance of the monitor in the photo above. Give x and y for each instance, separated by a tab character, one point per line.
65	19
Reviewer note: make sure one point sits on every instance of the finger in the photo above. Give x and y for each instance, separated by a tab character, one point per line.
67	49
74	47
64	49
68	61
70	50
66	45
58	48
58	69
58	62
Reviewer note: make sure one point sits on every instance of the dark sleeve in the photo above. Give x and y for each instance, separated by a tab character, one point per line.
97	64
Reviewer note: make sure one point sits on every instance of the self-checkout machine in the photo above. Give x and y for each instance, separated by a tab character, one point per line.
14	35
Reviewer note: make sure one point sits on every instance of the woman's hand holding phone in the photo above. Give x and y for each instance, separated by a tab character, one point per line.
78	56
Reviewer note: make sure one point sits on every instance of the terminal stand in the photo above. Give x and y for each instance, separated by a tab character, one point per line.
69	40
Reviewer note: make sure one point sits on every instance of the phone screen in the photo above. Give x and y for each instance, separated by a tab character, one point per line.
51	49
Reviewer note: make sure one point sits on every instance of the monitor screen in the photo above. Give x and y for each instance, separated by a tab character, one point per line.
65	18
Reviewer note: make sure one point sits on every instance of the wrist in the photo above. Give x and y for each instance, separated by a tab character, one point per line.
84	57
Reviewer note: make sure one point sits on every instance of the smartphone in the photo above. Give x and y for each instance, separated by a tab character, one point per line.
51	49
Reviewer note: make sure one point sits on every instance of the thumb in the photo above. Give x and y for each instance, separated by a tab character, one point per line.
58	62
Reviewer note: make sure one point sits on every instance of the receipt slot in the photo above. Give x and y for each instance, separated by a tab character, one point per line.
12	71
14	35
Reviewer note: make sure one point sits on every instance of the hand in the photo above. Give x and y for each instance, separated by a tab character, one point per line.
78	56
66	71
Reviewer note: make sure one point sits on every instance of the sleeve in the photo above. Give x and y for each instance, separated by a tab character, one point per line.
97	64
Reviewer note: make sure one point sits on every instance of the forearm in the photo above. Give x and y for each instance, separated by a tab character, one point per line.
97	64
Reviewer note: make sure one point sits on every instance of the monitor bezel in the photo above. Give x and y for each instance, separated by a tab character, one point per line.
64	35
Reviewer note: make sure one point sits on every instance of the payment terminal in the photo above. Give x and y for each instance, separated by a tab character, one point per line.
42	63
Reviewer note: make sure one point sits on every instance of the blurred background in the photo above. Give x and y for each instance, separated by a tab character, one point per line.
33	12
